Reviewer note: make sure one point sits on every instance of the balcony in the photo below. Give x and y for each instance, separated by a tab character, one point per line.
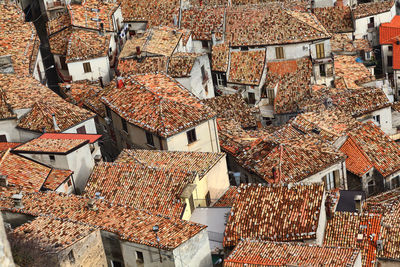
55	5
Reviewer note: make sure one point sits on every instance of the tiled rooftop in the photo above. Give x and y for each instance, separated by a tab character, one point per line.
16	37
147	65
91	13
232	107
228	198
384	203
92	138
58	23
340	42
52	234
181	64
127	223
353	73
372	8
59	41
6	145
86	94
265	253
246	67
157	190
357	162
157	103
271	24
157	40
154	12
50	145
294	83
335	19
273	213
382	152
56	178
5	109
343	231
203	21
23	172
84	45
220	57
199	162
40	118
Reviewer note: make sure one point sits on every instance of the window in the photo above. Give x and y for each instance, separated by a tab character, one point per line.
390	48
69	183
252	98
124	125
191	203
377	118
139	256
62	63
108	111
395	182
320	50
110	50
322	71
52	157
367	55
330	181
191	136
279	52
149	139
208	199
81	130
71	256
371	187
3	138
371	23
221	79
116	264
86	67
390	61
204	44
204	74
244	48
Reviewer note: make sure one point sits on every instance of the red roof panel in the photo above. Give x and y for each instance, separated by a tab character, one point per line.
91	137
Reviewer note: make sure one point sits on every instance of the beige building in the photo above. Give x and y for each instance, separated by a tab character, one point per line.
154	111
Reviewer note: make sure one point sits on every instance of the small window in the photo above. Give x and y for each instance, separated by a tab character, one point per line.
69	183
377	118
395	182
371	20
208	199
116	264
86	67
204	74
390	61
81	130
322	71
3	138
279	52
320	50
330	181
252	98
52	158
371	187
204	44
108	111
221	79
71	257
124	125
149	139
368	55
191	136
390	48
139	256
110	50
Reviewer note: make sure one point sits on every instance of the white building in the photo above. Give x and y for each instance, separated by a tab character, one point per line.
164	116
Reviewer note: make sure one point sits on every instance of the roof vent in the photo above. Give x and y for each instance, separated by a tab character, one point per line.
91	204
328	102
17	199
3	180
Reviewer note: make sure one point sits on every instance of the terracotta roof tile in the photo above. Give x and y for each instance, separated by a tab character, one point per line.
278	213
157	103
335	19
264	253
353	73
56	178
23	172
16	37
5	109
246	67
357	162
4	145
229	197
232	107
181	64
52	234
91	13
203	21
372	8
199	162
50	145
58	23
384	203
92	138
271	24
220	57
154	12
147	65
127	223
59	41
343	231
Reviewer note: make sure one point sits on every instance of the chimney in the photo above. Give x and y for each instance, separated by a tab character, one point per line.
358	203
101	82
55	123
3	180
91	204
17	199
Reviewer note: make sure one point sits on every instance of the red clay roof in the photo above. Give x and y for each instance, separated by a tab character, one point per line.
276	213
71	136
56	178
357	162
229	197
261	253
50	145
4	145
389	34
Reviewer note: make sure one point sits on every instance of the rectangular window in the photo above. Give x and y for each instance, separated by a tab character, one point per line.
320	50
395	182
124	125
52	157
3	138
139	256
367	55
208	199
330	181
221	79
191	136
390	61
204	74
322	71
108	111
252	98
371	23
86	67
149	139
62	63
279	52
81	130
371	187
204	44
69	183
390	48
377	118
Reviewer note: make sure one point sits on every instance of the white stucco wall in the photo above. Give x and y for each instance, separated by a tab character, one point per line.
41	67
324	3
207	139
317	178
290	51
385	120
117	19
218	179
8	128
90	127
198	47
100	68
